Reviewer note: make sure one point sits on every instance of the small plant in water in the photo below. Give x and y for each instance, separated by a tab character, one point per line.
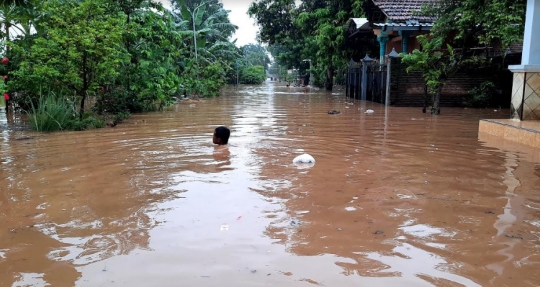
54	113
481	96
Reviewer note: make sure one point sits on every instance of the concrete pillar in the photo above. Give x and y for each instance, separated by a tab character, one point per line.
531	41
382	41
365	62
405	41
526	88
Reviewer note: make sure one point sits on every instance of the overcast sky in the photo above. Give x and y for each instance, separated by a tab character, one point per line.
247	29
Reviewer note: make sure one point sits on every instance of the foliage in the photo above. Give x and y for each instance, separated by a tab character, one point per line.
435	64
79	51
315	30
54	113
481	96
253	75
3	88
151	77
471	23
206	28
206	83
275	19
255	55
131	55
461	26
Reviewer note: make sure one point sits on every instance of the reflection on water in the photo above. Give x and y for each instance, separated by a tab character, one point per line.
397	198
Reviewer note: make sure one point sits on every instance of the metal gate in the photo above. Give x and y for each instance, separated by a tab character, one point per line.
369	73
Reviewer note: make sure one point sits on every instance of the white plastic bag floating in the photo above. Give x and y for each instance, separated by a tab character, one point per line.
370	112
305	158
304	161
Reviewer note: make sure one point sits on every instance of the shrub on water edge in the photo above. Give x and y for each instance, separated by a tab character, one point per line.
52	113
88	122
481	96
253	75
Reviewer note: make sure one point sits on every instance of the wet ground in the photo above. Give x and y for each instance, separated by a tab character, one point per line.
396	198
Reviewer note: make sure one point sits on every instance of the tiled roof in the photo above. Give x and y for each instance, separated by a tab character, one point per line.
403	10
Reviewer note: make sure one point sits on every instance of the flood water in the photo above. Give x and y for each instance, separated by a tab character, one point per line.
396	198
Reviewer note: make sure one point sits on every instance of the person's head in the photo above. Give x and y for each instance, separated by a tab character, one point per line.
221	135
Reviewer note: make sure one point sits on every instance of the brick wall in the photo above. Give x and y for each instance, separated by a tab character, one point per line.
407	89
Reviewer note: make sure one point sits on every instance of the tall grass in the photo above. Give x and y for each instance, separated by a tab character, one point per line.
53	113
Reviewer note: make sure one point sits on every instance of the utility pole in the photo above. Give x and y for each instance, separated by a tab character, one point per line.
193	13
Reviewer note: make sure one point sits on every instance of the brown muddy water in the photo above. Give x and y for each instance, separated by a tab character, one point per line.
396	198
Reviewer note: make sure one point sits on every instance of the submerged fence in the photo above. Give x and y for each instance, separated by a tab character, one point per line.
367	80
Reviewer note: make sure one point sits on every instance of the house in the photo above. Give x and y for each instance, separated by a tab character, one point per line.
397	23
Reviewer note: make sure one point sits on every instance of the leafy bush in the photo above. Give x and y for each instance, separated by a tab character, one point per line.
132	56
53	113
80	49
481	96
114	100
88	122
253	75
206	83
213	80
2	91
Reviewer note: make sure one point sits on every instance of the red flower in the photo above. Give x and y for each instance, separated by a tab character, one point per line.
4	77
6	97
4	61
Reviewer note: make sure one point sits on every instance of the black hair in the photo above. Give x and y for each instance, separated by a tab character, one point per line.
223	134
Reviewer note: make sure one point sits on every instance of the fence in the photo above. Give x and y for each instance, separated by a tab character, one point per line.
366	80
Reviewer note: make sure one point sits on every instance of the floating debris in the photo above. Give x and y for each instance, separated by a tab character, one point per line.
24	138
514	236
334	112
369	112
305	158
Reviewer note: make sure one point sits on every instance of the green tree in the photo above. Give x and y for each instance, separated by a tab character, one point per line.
152	75
202	26
80	51
329	19
253	75
315	30
275	18
460	27
435	64
255	55
206	28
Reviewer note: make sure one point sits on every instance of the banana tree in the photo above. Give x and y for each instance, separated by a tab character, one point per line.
204	28
17	18
10	16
